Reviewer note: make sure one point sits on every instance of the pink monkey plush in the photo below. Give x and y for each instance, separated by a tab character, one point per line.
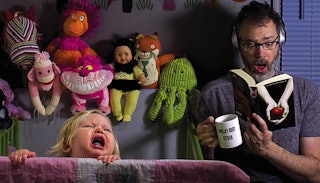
44	76
88	80
14	111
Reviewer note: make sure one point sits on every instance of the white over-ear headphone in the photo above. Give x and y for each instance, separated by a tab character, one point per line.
235	43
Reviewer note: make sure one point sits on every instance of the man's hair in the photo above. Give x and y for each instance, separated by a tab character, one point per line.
258	12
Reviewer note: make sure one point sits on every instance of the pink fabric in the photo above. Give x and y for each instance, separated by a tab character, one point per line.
130	170
39	170
191	171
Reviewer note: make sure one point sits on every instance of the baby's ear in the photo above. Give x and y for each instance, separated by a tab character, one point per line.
67	149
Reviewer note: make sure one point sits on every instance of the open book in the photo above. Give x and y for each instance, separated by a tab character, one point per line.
272	99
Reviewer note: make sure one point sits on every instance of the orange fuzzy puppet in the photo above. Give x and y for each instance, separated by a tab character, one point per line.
81	17
147	56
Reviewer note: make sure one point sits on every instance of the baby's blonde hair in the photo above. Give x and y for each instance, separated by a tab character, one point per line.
69	129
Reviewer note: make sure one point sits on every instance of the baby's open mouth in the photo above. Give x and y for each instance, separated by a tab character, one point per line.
98	142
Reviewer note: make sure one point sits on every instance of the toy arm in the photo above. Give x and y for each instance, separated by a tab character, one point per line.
38	105
89	51
35	99
56	95
85	49
139	75
53	104
53	46
164	59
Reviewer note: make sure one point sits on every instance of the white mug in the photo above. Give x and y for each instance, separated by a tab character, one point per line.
228	131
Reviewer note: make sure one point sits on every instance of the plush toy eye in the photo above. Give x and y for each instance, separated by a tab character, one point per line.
39	73
48	71
73	15
80	68
81	18
89	67
152	46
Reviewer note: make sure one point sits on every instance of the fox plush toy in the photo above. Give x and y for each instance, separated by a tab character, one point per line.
147	56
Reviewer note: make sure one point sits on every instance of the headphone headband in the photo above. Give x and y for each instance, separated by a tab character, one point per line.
235	42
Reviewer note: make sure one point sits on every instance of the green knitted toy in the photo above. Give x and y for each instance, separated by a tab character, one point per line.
176	81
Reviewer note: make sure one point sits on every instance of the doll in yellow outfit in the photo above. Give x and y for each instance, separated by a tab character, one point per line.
127	80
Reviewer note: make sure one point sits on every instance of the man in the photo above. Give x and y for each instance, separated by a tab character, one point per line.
290	154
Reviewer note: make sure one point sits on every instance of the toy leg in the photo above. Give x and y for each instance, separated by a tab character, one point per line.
130	104
79	104
104	102
115	102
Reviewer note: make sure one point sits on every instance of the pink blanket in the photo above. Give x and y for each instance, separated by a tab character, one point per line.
45	169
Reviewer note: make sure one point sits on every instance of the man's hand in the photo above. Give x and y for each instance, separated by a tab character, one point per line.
258	139
206	133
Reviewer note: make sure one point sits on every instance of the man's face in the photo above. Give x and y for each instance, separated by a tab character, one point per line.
259	47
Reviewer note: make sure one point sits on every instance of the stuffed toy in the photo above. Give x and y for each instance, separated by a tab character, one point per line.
15	112
177	81
127	80
80	19
20	37
147	56
44	76
5	120
88	80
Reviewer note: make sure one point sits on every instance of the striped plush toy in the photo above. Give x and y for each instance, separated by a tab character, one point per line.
20	36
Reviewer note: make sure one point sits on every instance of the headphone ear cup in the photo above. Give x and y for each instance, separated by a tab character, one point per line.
234	39
282	36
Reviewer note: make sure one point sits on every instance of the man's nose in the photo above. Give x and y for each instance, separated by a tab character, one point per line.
260	51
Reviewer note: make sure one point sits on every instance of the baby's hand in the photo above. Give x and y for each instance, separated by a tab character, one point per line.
20	156
108	158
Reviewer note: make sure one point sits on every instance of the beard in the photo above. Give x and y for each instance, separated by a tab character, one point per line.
258	77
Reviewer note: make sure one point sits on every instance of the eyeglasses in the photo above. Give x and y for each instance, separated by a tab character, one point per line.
250	45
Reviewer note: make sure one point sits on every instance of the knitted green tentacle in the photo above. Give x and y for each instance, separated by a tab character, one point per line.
181	107
168	111
157	104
